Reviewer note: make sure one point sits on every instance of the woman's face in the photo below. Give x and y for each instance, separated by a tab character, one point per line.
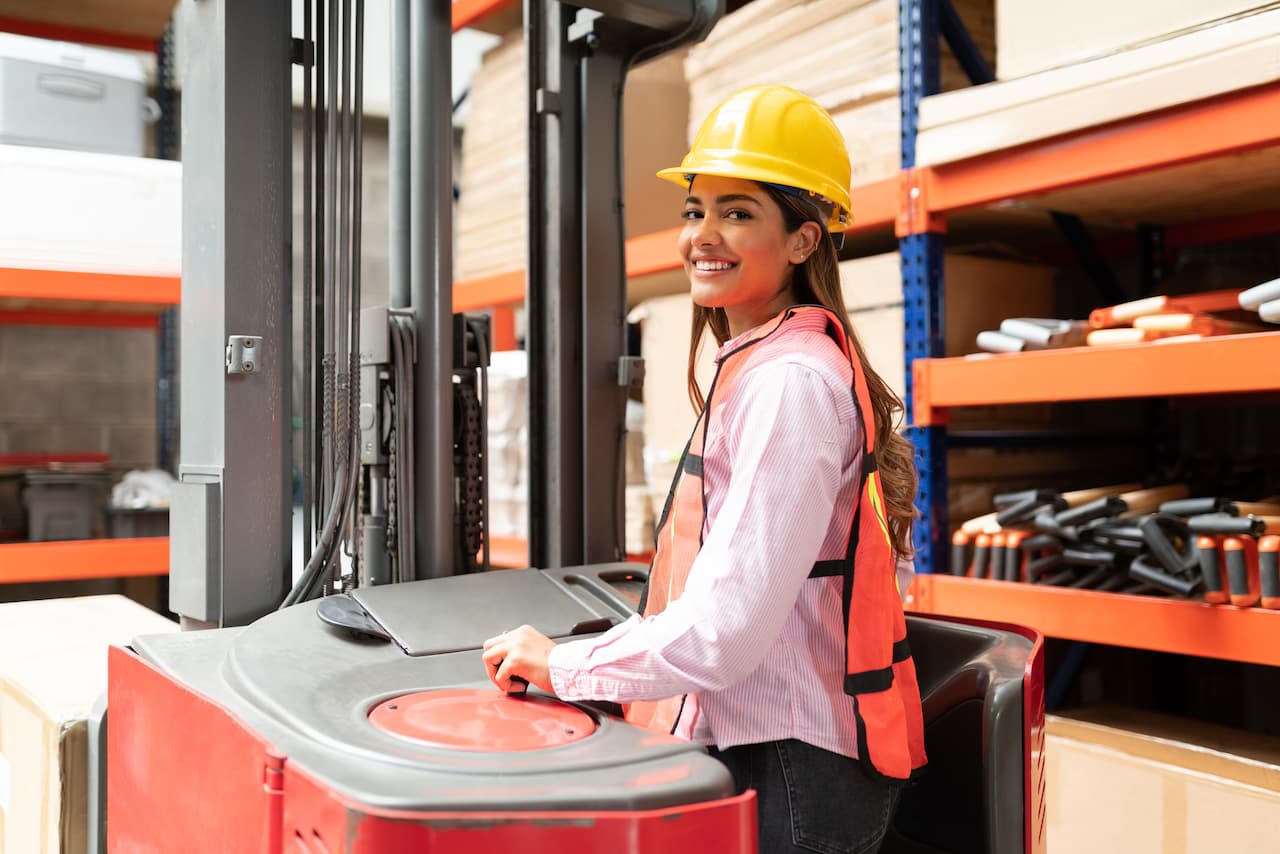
737	252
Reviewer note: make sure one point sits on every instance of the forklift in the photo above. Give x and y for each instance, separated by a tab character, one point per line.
348	710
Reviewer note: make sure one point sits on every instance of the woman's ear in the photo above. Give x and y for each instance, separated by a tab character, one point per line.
804	240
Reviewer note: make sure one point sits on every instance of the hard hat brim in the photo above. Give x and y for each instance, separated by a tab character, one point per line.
682	176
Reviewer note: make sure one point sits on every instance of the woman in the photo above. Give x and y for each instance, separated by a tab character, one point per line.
772	628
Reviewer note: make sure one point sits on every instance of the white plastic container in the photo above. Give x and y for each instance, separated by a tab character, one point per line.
64	95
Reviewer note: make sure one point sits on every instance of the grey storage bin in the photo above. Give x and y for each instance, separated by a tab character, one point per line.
149	522
63	95
63	506
13	516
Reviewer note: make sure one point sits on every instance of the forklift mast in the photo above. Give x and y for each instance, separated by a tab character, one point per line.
232	539
578	368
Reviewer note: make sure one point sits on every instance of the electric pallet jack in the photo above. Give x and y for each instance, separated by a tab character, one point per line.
376	731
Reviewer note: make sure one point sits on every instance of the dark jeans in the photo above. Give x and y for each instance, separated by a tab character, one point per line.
809	799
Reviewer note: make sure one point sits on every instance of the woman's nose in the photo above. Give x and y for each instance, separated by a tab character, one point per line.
704	232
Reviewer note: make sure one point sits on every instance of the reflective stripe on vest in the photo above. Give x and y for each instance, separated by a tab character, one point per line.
880	675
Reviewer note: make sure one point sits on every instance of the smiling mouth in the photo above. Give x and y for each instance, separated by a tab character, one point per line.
713	266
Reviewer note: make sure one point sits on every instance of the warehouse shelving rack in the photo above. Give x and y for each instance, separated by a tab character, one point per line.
913	207
1234	125
85	298
73	298
77	298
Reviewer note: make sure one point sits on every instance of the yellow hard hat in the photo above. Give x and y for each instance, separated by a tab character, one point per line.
775	135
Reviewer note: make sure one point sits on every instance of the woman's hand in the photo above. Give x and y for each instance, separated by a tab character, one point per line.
519	652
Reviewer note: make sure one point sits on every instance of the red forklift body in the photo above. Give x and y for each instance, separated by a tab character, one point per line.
260	739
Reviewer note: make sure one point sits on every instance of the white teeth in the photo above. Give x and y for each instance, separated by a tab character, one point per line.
712	266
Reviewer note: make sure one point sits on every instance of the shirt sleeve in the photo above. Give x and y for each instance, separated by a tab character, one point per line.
787	445
906	570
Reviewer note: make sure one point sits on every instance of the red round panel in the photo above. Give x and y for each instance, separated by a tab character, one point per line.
481	720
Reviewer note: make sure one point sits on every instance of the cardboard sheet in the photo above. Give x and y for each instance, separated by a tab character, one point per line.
1191	67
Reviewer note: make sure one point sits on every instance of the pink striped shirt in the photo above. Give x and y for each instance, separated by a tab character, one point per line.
756	645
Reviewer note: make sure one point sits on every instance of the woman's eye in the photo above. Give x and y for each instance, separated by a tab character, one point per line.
691	214
737	215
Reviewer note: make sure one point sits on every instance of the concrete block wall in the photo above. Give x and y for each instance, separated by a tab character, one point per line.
73	389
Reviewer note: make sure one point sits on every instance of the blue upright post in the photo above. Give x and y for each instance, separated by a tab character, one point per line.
922	316
918	29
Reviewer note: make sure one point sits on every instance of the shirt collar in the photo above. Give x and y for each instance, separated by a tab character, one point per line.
808	321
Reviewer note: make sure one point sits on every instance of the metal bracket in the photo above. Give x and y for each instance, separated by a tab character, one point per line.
583	28
631	371
302	52
244	354
547	102
914	216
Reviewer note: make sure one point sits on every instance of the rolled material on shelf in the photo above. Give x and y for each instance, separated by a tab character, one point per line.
1032	333
1254	298
987	523
1000	342
1196	506
1136	502
1221	523
1144	571
981	555
1270	311
1029	329
1211	570
1186	323
1177	339
1254	508
959	552
1013	556
1046	332
1025	505
1120	336
1125	539
1126	312
1269	572
1239	554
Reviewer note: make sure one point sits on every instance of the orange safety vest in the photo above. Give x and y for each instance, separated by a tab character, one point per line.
880	673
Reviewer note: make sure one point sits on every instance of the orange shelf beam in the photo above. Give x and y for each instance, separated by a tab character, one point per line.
513	553
467	13
17	282
875	205
1231	124
1225	365
80	559
79	318
508	553
500	290
653	253
1221	230
81	35
1140	622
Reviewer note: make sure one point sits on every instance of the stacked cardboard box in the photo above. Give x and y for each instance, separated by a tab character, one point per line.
1126	780
492	215
508	443
842	53
508	466
1038	36
53	669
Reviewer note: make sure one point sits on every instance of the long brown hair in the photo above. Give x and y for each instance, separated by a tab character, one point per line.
816	281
